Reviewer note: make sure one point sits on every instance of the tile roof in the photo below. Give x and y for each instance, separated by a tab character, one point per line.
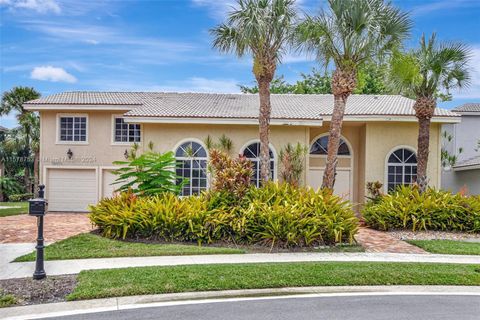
468	107
474	161
3	129
219	105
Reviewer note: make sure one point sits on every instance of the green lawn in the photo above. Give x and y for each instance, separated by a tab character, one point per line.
155	280
448	246
87	245
12	208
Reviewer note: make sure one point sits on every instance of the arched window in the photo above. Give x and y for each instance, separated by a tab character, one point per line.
402	168
320	147
192	165
252	152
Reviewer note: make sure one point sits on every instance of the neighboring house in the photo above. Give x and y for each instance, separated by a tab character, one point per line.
466	135
82	133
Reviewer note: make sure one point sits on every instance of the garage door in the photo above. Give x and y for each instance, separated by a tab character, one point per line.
71	189
342	181
107	188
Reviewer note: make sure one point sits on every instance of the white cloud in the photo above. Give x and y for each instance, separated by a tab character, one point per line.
49	73
446	6
217	9
40	6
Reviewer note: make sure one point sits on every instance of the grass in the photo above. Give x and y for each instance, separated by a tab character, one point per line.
155	280
7	300
87	245
448	246
11	210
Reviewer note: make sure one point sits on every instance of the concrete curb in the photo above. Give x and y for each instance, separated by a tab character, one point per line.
133	302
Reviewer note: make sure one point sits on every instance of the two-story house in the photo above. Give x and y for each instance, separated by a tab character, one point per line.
465	137
82	133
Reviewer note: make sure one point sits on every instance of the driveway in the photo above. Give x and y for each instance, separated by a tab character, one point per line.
57	226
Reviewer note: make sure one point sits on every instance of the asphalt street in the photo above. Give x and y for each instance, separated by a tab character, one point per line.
381	307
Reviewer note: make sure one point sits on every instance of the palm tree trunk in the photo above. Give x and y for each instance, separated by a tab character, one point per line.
264	128
424	110
343	83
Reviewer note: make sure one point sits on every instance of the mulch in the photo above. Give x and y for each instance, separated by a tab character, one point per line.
28	291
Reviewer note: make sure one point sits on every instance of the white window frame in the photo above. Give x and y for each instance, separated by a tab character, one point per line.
191	167
72	115
349	145
257	160
410	148
123	143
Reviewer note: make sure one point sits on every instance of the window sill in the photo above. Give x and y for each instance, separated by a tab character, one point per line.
72	143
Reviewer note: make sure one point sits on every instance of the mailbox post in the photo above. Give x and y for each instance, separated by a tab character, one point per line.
37	208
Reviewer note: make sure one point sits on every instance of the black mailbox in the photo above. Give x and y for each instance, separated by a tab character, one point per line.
37	207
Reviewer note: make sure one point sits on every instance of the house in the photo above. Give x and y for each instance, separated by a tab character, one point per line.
466	136
82	133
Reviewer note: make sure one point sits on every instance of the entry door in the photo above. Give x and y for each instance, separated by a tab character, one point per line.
342	182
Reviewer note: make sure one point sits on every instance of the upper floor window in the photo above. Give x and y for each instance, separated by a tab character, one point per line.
320	147
126	132
401	168
252	152
73	128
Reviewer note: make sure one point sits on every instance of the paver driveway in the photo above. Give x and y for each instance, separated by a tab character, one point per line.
57	226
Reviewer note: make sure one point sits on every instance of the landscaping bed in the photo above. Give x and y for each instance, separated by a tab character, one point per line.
13	208
27	291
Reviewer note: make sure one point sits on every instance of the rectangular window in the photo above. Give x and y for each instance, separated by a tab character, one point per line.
73	129
126	132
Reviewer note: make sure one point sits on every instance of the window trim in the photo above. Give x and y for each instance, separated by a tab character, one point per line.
349	145
200	142
274	151
71	115
112	130
389	153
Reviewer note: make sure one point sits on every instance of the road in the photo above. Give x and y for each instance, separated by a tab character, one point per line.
392	307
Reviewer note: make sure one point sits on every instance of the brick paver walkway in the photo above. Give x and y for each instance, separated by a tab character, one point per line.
378	241
57	226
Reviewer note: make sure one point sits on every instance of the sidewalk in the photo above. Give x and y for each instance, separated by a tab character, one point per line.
25	269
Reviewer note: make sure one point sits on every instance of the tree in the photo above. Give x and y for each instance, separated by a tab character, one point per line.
350	34
262	28
426	74
12	101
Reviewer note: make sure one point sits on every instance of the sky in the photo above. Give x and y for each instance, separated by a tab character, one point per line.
165	45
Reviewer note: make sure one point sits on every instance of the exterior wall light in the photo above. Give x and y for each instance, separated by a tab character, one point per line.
125	154
69	154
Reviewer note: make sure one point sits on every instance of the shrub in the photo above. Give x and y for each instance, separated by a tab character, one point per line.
407	208
231	176
292	160
275	215
148	174
20	197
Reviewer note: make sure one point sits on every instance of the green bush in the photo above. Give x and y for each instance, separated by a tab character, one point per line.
20	197
407	208
275	215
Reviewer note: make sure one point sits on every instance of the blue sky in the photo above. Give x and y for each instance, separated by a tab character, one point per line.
164	45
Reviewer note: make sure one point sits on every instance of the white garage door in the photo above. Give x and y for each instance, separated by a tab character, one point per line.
107	188
71	189
342	182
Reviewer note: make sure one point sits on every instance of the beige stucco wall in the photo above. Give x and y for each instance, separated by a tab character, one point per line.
370	142
382	137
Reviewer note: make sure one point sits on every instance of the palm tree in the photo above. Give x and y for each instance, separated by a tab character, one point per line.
262	28
425	74
349	34
12	101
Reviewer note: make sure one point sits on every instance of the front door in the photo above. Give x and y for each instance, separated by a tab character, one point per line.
343	181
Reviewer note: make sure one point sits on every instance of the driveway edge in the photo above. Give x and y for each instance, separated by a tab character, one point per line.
133	302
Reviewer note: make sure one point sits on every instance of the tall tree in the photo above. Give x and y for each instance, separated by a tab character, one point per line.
350	33
262	28
427	74
12	101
